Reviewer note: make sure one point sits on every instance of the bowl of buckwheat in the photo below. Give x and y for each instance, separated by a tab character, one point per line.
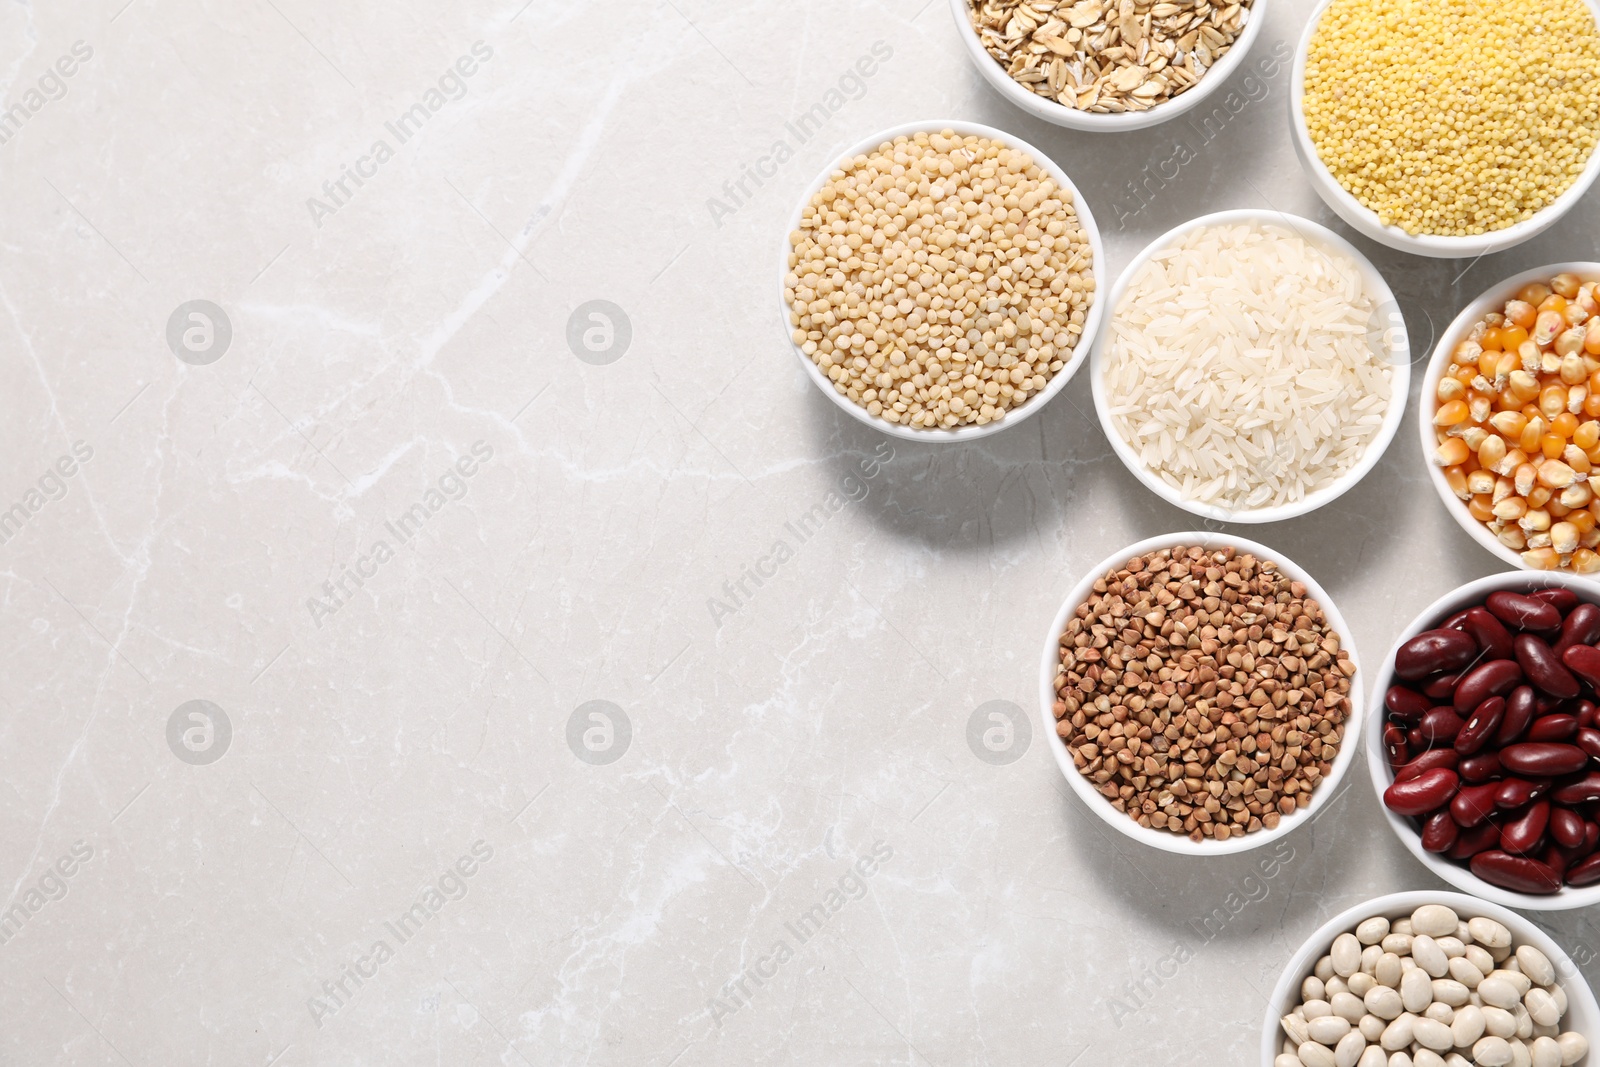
1107	65
1200	693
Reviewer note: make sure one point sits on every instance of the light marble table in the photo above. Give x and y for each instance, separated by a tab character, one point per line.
409	755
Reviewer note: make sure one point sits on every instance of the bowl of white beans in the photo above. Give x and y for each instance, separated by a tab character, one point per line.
1429	979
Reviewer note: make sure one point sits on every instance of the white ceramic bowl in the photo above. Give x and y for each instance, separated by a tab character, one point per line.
1583	1014
1458	874
1365	220
1492	300
1164	839
1061	115
1091	322
1389	326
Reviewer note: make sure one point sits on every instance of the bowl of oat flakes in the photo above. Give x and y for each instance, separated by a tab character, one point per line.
1107	65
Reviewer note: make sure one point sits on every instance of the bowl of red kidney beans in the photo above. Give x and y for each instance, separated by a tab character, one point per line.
1484	745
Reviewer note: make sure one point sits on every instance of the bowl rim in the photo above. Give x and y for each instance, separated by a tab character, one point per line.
1489	300
1327	791
1378	770
1394	905
1091	122
1365	220
1091	322
1395	335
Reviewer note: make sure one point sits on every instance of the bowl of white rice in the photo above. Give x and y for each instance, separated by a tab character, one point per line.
1253	366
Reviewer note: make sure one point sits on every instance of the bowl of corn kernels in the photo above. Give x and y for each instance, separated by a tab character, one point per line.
1510	418
1382	133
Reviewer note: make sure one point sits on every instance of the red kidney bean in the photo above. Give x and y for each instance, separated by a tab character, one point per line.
1433	651
1584	661
1434	757
1422	794
1439	727
1543	669
1586	711
1479	768
1406	705
1591	836
1475	840
1491	635
1580	627
1441	687
1486	680
1584	873
1579	791
1440	832
1544	759
1544	704
1523	832
1394	745
1517	873
1473	804
1589	740
1558	597
1520	706
1566	826
1455	621
1515	792
1522	612
1555	728
1557	859
1482	724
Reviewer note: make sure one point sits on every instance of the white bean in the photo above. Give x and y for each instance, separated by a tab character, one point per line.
1451	992
1546	1052
1492	1052
1324	968
1287	1059
1536	965
1428	1058
1429	956
1360	982
1371	1028
1542	1007
1480	958
1373	1057
1431	1033
1334	985
1520	1056
1416	990
1314	1055
1371	931
1518	980
1488	933
1442	1012
1494	990
1560	996
1467	1026
1347	1006
1397	1035
1574	1046
1499	1022
1311	989
1400	1059
1369	959
1294	1025
1384	1002
1316	1009
1435	920
1388	970
1328	1029
1349	1049
1399	944
1462	969
1346	955
1453	946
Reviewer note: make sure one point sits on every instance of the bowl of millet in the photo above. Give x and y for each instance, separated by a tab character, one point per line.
1200	694
1449	129
1509	417
939	280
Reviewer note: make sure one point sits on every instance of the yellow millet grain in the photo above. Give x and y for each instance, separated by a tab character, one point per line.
939	280
1454	117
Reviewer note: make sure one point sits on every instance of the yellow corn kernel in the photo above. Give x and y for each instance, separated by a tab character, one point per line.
1451	389
1513	537
1523	386
1502	488
1465	353
1541	559
1510	509
1532	434
1540	496
1535	521
1492	452
1474	436
1587	435
1515	458
1576	495
1556	510
1585	561
1481	483
1566	285
1521	313
1582	520
1552	399
1511	424
1576	458
1479	406
1591	337
1451	413
1480	508
1524	478
1452	453
1568	344
1564	537
1551	445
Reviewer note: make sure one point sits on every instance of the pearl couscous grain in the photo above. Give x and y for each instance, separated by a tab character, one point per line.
1202	691
939	280
1454	117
